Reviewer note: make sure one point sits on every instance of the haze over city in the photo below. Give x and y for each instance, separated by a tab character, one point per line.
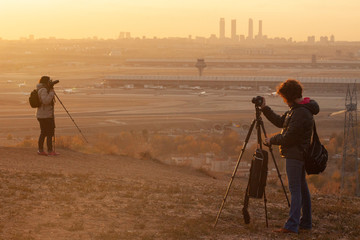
160	18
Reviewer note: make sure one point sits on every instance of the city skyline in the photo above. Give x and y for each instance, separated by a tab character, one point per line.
105	19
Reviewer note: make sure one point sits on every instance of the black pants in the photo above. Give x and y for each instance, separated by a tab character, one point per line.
47	126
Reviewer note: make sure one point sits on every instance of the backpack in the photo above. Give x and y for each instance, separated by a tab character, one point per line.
34	99
316	156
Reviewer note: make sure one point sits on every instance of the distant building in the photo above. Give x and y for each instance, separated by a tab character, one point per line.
233	29
124	35
260	29
251	30
311	39
332	38
212	38
222	28
324	39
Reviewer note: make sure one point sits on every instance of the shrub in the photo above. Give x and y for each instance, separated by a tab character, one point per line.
27	142
9	137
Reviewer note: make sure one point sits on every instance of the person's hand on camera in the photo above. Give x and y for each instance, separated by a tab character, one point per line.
263	103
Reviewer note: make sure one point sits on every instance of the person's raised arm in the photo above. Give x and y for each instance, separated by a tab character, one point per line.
274	118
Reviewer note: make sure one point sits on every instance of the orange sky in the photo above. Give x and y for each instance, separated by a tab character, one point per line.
178	18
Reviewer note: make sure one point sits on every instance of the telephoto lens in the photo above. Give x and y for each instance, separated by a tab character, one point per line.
52	83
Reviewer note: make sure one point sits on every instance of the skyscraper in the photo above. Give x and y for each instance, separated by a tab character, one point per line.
251	29
222	28
260	29
233	29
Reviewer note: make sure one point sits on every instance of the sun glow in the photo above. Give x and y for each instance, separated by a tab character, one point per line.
106	18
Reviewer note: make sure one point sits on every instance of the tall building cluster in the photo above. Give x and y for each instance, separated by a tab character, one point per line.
235	37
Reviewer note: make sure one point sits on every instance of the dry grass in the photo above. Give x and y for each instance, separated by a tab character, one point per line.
88	206
112	197
135	144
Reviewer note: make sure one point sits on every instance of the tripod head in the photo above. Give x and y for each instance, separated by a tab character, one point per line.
258	113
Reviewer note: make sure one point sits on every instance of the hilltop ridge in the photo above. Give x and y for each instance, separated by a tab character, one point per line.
88	196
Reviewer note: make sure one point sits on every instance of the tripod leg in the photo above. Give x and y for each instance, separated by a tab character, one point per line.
234	173
279	175
276	166
245	211
266	215
71	118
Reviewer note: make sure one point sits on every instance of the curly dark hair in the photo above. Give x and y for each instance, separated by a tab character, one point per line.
290	90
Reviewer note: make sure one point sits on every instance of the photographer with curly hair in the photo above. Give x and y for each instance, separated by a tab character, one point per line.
297	126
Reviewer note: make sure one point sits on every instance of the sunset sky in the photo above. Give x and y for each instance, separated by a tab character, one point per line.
178	18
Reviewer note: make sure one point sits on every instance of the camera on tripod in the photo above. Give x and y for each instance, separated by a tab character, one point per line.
52	83
259	166
258	101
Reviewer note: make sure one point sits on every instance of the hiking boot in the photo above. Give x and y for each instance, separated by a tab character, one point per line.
42	153
53	153
283	230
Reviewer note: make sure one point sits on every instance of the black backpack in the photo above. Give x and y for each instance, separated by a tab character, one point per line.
34	99
316	156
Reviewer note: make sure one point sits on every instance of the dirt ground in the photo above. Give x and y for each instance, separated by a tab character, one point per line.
80	196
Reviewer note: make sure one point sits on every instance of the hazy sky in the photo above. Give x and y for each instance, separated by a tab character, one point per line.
178	18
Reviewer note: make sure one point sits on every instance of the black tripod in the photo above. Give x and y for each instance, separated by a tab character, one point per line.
71	119
259	126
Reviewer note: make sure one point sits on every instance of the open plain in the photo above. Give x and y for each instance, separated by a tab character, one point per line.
111	110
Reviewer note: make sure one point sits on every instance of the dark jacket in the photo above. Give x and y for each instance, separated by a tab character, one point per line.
297	126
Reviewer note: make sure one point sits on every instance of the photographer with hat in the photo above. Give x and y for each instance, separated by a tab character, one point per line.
45	115
297	126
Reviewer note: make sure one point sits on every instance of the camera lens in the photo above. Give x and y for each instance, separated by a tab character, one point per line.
52	83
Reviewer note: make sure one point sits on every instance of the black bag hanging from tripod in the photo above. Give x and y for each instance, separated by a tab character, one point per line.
258	174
